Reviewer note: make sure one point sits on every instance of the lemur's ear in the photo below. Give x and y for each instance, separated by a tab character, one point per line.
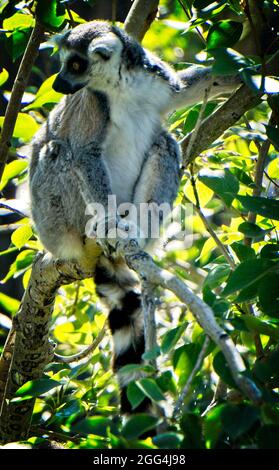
58	39
105	46
103	50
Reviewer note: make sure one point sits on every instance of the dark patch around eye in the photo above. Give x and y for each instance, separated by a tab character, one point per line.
77	65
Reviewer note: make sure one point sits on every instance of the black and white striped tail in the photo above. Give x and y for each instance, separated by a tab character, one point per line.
117	286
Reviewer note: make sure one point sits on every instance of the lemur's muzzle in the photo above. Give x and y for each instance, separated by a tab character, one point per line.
63	86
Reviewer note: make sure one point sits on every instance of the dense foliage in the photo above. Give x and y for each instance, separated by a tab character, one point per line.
230	256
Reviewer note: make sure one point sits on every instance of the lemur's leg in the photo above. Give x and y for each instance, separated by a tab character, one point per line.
158	186
194	82
118	288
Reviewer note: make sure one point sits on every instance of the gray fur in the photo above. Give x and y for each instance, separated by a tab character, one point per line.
107	138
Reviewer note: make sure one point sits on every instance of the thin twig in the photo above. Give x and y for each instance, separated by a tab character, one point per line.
258	177
194	134
189	17
54	435
178	408
85	352
18	89
220	394
208	227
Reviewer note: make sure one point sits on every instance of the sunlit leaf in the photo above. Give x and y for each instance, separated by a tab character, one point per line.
222	182
25	127
12	170
8	303
21	235
4	75
35	388
45	95
224	33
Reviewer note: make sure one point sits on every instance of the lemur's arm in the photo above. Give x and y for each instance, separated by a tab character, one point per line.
90	169
193	83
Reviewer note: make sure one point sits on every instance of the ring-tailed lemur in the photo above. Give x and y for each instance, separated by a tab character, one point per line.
108	134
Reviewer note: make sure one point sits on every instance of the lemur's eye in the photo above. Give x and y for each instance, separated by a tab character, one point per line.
77	65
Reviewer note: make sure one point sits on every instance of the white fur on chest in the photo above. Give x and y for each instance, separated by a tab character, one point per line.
135	114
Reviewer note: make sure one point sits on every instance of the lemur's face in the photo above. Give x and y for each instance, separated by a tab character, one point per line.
90	56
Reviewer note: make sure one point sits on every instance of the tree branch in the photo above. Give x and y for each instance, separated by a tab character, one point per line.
140	17
20	84
147	270
226	116
32	348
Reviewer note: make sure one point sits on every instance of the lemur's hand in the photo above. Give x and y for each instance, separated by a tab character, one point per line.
109	230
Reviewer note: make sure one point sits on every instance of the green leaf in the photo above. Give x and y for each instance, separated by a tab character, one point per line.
51	13
222	182
238	419
21	235
240	174
16	43
97	425
25	127
184	360
268	291
191	425
4	75
252	230
261	205
273	135
168	440
213	428
270	251
152	354
261	326
8	10
171	338
222	369
273	167
224	33
12	170
8	303
138	424
135	395
243	252
131	368
19	20
166	382
46	95
246	274
217	276
23	261
35	388
228	61
150	388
